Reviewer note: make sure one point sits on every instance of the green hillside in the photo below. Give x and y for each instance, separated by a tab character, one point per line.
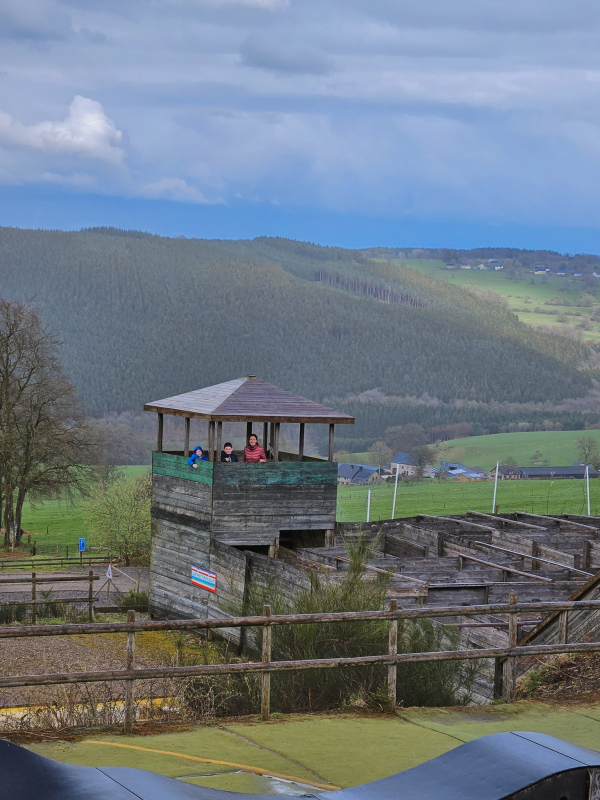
558	448
144	317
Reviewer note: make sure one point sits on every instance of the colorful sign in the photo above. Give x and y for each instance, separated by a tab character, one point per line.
82	545
205	579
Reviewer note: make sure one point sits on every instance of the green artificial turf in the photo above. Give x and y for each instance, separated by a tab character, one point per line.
342	749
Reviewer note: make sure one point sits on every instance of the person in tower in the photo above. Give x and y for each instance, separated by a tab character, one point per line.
253	452
197	455
228	455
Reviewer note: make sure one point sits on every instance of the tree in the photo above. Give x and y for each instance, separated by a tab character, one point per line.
537	456
510	462
588	450
381	454
45	442
118	515
425	456
404	438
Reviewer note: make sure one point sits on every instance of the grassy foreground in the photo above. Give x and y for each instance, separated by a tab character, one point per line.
340	750
430	497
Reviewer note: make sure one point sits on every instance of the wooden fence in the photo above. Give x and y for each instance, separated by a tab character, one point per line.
56	561
36	580
505	656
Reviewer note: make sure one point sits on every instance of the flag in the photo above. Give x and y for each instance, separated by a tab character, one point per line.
109	572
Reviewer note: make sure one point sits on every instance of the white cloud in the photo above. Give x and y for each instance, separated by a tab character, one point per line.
78	179
263	5
175	189
86	132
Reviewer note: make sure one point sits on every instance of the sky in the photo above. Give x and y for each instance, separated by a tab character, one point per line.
390	122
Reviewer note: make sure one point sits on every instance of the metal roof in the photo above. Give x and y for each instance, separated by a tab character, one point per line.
248	399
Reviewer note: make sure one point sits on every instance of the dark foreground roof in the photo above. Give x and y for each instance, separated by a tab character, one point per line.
496	767
557	472
248	399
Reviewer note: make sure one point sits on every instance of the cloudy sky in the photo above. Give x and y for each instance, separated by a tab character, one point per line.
415	119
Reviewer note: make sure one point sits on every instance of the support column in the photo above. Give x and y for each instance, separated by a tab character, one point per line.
272	438
248	431
301	443
159	438
219	440
211	441
276	442
265	442
331	434
186	443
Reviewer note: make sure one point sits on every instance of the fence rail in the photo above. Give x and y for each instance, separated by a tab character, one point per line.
38	561
266	666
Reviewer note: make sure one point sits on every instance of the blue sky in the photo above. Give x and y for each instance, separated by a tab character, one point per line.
357	123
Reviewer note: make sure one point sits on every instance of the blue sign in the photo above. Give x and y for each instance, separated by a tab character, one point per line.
81	545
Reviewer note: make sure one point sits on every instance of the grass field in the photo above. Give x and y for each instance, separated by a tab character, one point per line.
336	749
558	448
522	296
58	524
430	497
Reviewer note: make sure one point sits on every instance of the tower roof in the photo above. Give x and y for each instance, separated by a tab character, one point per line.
248	399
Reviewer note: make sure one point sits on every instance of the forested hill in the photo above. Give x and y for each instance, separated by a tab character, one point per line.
144	317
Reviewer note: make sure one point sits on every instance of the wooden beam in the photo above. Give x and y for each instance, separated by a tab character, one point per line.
301	442
159	438
506	521
219	440
211	441
533	557
186	444
276	443
265	441
331	434
248	431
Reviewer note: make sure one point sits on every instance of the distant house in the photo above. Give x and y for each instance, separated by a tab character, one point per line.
407	466
507	473
461	472
560	272
465	266
358	475
493	261
481	266
558	472
498	267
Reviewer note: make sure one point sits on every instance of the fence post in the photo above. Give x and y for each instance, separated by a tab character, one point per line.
510	665
90	596
33	597
563	619
393	650
129	715
265	704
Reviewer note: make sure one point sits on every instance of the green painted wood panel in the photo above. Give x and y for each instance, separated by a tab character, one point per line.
284	473
177	467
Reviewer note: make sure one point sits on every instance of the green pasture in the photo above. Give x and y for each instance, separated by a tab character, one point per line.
558	448
59	524
340	750
431	497
523	296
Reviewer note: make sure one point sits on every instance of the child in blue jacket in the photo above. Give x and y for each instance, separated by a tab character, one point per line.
197	455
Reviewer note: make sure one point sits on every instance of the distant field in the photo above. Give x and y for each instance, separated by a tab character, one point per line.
531	288
558	448
430	497
63	521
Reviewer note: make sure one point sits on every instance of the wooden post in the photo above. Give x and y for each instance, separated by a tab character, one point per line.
331	434
91	595
248	431
393	650
219	440
265	703
301	443
159	438
265	441
276	443
563	621
535	551
211	441
509	682
186	442
272	438
129	710
587	554
33	596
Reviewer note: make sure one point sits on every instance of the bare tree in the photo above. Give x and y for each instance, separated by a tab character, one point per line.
44	440
380	454
425	457
404	438
588	450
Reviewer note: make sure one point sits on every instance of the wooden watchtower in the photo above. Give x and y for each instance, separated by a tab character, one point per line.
207	517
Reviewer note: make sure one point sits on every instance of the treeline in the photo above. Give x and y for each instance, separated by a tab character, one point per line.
145	317
383	293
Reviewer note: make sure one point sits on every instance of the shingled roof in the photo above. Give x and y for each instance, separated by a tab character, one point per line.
248	399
